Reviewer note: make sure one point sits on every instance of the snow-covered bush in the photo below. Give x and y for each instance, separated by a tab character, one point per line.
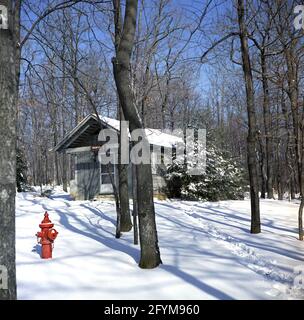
222	180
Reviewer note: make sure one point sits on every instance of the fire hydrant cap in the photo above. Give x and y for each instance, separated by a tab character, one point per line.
46	222
46	218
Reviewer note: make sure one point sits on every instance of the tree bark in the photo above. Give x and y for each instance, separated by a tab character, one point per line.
64	173
56	160
64	155
117	204
252	127
262	163
267	125
297	118
125	223
300	219
9	72
135	204
150	255
301	153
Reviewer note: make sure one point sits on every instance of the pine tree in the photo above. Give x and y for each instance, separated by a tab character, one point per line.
21	170
222	180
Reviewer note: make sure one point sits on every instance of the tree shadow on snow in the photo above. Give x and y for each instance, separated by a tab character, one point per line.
115	244
66	197
90	232
197	283
99	213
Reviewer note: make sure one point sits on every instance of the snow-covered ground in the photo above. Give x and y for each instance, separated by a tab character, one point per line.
206	249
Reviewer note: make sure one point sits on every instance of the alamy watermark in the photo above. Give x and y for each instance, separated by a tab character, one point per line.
3	278
3	17
299	19
155	147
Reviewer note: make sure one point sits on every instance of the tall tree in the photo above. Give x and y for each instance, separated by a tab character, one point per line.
150	255
252	124
125	218
125	223
9	73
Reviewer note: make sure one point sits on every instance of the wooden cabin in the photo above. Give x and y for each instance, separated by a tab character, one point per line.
92	178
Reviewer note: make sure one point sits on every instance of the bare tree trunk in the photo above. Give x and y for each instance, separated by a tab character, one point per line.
297	118
117	204
289	149
150	255
56	162
300	219
135	204
267	125
252	126
64	93
262	161
292	189
76	95
9	72
125	224
118	221
165	103
301	154
64	173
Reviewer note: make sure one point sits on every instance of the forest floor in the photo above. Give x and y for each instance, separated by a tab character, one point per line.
206	249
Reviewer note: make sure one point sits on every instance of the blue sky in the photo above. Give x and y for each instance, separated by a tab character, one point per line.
189	8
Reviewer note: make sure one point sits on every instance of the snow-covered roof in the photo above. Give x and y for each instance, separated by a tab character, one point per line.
110	121
154	136
90	123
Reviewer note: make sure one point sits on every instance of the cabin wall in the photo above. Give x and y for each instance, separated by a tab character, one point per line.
87	175
88	184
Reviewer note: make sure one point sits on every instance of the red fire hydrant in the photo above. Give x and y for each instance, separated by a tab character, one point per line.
47	235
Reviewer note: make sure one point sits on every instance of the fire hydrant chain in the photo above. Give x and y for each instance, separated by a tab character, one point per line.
47	237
